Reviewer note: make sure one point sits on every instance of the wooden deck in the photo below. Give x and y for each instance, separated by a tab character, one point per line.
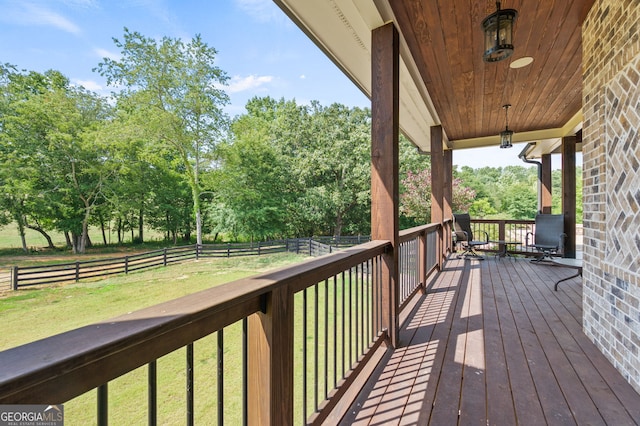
491	343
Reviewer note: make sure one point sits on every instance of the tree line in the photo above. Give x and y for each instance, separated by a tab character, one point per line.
160	153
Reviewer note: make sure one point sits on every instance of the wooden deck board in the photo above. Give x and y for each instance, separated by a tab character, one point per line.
492	343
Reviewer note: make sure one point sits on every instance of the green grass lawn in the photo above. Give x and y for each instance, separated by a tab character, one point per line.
10	237
32	314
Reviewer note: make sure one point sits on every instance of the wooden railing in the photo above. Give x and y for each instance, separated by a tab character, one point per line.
511	231
418	258
311	333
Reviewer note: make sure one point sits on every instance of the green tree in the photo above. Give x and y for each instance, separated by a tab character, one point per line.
415	201
337	166
252	184
520	201
172	90
481	208
56	163
296	170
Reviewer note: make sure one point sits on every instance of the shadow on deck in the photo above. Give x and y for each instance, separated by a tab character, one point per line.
492	343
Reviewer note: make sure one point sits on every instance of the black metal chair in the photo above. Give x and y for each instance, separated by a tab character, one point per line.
548	236
464	236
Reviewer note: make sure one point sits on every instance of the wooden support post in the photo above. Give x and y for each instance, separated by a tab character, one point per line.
545	185
438	183
569	194
448	200
270	359
385	65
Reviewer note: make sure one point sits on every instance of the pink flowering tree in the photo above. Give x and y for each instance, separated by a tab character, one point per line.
415	197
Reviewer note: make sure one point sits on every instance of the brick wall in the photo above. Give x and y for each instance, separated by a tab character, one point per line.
611	167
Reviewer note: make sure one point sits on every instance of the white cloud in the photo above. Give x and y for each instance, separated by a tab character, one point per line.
104	53
303	77
87	4
89	85
261	10
251	82
35	14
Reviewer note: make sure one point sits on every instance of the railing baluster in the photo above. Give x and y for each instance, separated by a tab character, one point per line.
343	320
335	330
370	305
350	334
220	375
152	381
190	384
362	307
245	373
326	338
103	405
357	314
315	349
304	355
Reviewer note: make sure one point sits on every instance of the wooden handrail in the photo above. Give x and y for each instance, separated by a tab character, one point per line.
61	367
408	234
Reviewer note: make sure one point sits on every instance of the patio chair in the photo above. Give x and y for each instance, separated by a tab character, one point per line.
549	236
464	235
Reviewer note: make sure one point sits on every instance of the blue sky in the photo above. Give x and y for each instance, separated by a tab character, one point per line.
260	49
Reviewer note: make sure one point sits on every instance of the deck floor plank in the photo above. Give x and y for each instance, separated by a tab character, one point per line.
527	405
500	406
446	405
492	343
549	380
593	369
473	405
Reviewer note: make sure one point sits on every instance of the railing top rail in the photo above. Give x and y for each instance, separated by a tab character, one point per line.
72	363
509	221
410	233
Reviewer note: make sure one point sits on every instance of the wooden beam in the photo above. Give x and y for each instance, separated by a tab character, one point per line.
545	185
385	77
569	193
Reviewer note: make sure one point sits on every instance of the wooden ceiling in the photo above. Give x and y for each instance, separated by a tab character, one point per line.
446	42
443	79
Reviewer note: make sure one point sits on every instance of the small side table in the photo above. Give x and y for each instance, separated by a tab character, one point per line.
504	244
569	263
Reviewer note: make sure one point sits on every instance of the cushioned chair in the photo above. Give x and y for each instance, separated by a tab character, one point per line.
548	236
464	236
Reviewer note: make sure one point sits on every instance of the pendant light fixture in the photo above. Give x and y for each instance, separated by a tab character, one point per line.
506	136
498	34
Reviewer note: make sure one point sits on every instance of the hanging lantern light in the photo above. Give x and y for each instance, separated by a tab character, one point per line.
506	136
498	34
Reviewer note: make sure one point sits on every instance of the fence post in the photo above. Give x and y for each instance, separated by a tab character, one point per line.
228	249
164	257
197	251
77	271
14	277
258	248
126	264
310	252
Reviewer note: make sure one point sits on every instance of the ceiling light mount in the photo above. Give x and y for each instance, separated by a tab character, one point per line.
506	136
498	34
